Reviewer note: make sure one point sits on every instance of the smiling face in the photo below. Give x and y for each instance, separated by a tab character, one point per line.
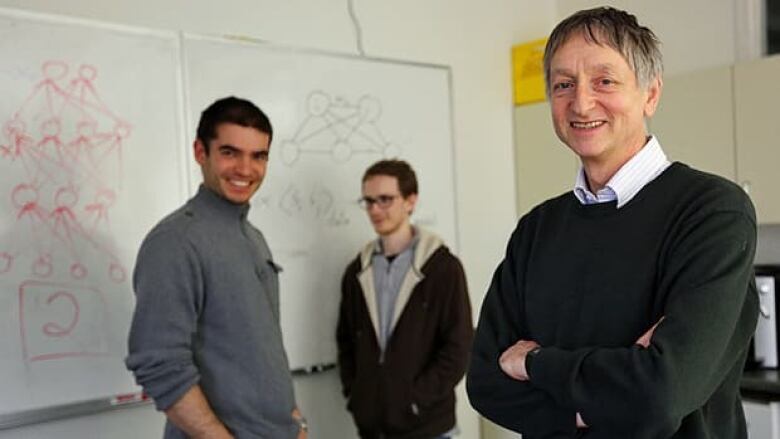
235	162
598	108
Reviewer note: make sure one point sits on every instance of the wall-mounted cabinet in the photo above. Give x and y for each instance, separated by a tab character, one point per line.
545	167
695	121
757	98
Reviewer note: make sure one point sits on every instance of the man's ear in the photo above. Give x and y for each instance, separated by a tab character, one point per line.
410	202
653	95
199	150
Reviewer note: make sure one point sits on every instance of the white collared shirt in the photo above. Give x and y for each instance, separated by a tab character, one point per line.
641	169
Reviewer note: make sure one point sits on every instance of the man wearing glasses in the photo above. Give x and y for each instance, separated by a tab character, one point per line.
404	329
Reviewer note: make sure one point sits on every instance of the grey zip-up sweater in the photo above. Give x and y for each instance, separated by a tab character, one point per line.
207	313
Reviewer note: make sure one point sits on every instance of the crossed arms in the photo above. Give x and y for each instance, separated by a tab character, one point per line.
642	390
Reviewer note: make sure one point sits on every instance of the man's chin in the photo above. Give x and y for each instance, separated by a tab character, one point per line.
238	197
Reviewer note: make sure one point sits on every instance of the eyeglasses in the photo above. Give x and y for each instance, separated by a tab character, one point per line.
383	201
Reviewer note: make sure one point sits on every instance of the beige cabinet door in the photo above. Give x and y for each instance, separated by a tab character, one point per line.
757	98
545	167
695	120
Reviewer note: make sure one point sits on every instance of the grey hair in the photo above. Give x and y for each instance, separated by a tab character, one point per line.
614	28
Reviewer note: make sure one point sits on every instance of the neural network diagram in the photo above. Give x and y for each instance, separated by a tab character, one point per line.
65	145
61	159
340	129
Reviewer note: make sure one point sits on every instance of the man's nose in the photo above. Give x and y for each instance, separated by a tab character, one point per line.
243	165
583	100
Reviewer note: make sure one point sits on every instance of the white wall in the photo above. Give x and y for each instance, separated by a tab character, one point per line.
695	34
474	38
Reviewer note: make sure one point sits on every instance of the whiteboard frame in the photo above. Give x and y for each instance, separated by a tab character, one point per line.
64	411
82	408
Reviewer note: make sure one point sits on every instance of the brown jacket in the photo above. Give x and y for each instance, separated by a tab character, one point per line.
411	393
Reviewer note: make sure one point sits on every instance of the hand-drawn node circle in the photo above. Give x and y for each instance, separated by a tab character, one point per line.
291	150
66	197
54	70
14	127
6	262
87	72
51	127
341	151
318	103
105	197
370	109
117	273
42	266
78	270
24	195
121	130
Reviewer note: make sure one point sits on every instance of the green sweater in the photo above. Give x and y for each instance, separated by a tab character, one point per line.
586	281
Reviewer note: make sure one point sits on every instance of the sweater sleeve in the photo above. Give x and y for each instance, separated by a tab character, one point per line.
456	333
710	314
513	404
168	286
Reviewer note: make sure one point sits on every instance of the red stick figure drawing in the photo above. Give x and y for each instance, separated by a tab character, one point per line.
48	155
50	144
75	150
25	199
104	199
68	229
83	94
18	139
65	223
47	98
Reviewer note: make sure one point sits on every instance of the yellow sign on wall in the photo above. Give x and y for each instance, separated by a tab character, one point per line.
528	71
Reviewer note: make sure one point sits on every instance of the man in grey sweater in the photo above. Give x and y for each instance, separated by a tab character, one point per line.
205	341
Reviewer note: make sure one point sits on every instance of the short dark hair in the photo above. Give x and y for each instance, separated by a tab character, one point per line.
401	170
613	28
232	110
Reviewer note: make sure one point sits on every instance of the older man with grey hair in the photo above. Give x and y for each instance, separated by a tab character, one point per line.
623	308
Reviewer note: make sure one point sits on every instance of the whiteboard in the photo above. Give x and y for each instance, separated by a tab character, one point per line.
91	157
333	116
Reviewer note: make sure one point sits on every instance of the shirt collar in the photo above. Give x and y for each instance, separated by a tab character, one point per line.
641	169
378	250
